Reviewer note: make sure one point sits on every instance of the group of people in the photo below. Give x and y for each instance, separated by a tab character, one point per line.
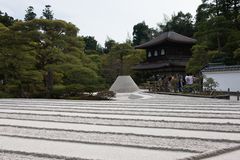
174	83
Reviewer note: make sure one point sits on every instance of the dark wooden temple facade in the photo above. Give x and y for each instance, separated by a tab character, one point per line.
166	54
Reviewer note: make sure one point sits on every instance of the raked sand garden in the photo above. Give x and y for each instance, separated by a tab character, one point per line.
137	126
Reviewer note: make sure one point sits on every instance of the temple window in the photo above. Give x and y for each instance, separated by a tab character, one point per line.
162	52
149	54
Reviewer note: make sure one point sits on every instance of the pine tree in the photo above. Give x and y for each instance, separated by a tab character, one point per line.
47	13
30	15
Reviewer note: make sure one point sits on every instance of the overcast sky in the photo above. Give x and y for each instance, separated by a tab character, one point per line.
102	18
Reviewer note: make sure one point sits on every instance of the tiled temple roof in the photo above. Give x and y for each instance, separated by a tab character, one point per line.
167	36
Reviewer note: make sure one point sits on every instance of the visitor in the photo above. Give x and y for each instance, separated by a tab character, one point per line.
189	79
189	82
169	84
174	84
180	83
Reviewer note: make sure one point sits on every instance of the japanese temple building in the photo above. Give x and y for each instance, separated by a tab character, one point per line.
166	54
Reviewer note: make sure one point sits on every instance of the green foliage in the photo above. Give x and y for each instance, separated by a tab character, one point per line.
58	91
90	43
74	89
3	28
120	51
141	33
81	75
18	69
106	95
134	58
218	28
109	43
5	95
120	60
209	84
203	13
198	60
96	60
5	19
30	15
180	23
12	88
216	57
78	91
47	13
237	55
45	58
192	88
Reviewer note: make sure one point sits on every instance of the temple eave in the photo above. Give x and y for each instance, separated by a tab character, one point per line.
160	66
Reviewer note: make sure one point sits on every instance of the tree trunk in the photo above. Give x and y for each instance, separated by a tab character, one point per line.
121	64
218	42
49	82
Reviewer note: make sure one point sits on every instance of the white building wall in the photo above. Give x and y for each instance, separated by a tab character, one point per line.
225	79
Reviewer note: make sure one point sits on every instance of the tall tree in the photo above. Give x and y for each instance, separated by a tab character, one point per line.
45	57
48	39
230	9
18	70
5	19
180	23
236	9
119	61
48	13
121	50
90	43
199	59
203	13
141	33
217	29
109	43
30	15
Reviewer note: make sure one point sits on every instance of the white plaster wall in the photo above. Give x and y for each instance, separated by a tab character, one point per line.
226	79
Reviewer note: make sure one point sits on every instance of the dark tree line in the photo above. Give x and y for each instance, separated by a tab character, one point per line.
216	27
218	33
45	57
5	19
180	23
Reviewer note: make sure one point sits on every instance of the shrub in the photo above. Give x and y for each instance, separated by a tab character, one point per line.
106	94
5	95
209	84
58	91
84	76
12	89
192	88
74	90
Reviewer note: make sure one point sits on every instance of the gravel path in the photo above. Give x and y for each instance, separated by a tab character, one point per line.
85	151
189	118
164	123
121	139
156	127
235	137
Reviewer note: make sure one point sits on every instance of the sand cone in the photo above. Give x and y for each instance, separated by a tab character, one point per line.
124	84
